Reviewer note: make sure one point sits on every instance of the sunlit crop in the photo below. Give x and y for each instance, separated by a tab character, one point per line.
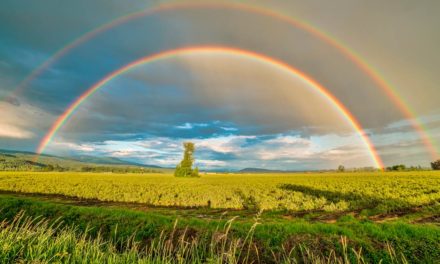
294	192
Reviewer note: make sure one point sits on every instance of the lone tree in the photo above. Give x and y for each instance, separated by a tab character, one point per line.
184	169
435	165
341	168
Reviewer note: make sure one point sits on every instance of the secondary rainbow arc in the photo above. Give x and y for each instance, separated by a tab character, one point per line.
343	111
357	59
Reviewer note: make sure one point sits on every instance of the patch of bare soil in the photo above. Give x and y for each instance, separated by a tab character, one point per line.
380	218
433	219
199	212
204	212
332	217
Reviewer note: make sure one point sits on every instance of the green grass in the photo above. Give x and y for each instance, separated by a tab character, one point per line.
418	243
339	217
38	240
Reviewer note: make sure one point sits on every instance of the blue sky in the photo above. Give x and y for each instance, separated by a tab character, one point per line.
240	113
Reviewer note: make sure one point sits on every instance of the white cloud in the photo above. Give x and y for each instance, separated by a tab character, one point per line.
237	151
20	120
191	125
185	126
223	144
229	129
11	131
73	146
211	163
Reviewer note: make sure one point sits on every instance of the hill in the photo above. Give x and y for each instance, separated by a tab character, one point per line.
110	161
260	170
11	160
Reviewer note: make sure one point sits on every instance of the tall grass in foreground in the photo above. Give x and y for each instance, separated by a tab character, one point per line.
37	240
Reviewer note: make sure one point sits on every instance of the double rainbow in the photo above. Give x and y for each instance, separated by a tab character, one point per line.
349	53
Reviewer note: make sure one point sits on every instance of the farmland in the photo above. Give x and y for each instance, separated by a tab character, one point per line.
220	218
329	192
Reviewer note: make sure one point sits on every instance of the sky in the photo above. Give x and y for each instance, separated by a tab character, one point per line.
238	110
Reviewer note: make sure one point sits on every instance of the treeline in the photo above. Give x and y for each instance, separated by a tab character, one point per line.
342	168
399	167
402	167
119	169
435	165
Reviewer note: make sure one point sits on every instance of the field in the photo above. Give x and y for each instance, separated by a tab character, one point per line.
221	218
283	218
329	192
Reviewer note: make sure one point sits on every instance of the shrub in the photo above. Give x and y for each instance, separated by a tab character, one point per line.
435	165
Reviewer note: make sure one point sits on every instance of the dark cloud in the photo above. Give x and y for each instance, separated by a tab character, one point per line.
12	100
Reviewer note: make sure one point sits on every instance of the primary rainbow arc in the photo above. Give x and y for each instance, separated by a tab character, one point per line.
343	111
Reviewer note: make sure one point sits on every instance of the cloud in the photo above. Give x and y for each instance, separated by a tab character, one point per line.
10	131
212	163
223	144
234	81
232	129
280	151
191	125
12	100
202	100
22	121
72	147
234	107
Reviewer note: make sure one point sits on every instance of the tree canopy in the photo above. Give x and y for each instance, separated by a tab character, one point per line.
435	165
184	168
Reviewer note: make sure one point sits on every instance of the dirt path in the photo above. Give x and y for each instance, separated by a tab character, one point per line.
198	212
209	213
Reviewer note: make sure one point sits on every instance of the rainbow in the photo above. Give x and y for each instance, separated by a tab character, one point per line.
344	112
349	53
